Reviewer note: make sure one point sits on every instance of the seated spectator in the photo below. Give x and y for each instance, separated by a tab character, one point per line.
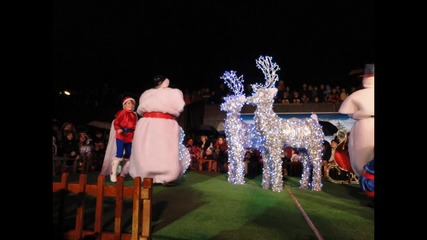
204	144
85	153
343	95
295	97
69	148
68	127
305	99
194	155
295	157
295	168
221	151
286	99
209	155
333	96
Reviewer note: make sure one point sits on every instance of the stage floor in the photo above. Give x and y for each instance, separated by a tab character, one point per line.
203	205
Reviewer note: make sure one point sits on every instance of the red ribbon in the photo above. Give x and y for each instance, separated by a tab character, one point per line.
158	115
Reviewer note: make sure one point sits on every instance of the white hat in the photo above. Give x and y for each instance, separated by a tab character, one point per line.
127	99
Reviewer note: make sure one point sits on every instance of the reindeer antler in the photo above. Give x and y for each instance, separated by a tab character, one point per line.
233	82
269	69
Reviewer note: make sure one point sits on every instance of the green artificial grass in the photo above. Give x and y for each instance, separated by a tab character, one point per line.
203	205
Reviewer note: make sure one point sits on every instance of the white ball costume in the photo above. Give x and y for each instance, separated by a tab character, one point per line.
157	142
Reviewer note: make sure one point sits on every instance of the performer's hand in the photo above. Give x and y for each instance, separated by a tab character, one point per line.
119	131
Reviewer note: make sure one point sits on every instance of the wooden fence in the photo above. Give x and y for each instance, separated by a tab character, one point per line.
141	212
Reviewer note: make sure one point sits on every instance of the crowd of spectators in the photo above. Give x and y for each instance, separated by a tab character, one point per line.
77	150
107	95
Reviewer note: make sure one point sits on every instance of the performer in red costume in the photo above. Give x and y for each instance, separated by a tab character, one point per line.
120	143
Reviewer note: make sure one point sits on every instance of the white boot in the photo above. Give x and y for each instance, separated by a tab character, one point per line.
125	169
114	166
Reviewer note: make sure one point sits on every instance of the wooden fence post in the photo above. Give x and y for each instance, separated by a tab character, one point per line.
141	212
147	209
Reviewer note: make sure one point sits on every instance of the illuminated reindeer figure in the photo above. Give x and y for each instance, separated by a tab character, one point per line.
239	134
278	132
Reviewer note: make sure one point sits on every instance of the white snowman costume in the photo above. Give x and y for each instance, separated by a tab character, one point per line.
360	107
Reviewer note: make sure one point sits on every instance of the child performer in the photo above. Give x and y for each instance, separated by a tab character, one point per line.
122	128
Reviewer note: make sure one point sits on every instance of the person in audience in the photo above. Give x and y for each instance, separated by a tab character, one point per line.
343	95
280	90
204	144
295	97
333	96
286	99
209	154
84	158
194	153
66	128
295	163
322	93
221	151
69	149
331	160
305	99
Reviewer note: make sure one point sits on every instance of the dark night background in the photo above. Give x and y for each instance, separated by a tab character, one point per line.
193	42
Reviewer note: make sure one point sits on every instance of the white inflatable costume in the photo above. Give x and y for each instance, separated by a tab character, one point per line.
360	106
157	149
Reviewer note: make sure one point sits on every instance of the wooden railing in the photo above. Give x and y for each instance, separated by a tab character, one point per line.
141	211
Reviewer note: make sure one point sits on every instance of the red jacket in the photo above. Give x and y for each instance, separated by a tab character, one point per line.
125	120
